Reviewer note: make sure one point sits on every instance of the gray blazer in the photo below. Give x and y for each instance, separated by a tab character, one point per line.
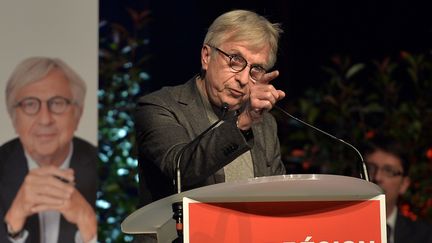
13	169
170	118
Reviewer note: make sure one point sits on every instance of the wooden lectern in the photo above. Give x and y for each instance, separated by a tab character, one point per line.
284	209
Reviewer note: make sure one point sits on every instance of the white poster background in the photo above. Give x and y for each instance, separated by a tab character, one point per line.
55	28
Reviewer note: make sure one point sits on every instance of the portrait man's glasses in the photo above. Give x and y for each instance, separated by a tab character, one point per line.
56	105
386	170
237	63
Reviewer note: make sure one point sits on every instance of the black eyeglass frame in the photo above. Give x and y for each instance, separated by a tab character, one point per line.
386	170
260	70
50	102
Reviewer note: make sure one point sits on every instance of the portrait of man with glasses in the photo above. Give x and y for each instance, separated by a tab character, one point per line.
388	167
232	95
48	177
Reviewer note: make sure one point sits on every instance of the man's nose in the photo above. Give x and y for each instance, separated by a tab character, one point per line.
377	176
44	115
243	76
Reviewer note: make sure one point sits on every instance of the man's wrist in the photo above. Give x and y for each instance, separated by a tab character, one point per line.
13	233
87	226
243	123
246	132
14	221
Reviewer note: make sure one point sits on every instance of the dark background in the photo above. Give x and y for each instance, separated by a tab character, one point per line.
314	32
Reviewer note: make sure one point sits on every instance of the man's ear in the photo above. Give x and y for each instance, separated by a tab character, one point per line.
406	181
205	57
77	115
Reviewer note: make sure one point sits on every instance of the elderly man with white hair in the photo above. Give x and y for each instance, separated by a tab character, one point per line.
48	177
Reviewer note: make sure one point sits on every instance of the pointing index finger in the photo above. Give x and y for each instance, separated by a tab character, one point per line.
269	77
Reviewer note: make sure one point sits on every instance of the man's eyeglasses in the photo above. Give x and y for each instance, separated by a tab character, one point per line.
237	63
386	170
56	105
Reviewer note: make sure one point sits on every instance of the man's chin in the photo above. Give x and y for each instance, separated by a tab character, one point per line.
46	139
45	151
234	104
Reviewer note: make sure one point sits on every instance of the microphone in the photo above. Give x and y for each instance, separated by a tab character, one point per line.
363	175
177	182
177	207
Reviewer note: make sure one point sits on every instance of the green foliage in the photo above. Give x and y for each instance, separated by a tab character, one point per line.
359	100
122	73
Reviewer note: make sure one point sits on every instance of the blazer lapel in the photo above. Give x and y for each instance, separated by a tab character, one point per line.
193	108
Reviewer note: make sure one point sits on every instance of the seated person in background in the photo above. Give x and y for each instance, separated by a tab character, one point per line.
238	51
388	167
47	176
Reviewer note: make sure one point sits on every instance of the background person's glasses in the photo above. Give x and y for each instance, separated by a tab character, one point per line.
56	105
237	63
386	170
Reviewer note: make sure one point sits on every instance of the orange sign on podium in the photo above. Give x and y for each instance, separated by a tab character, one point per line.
284	222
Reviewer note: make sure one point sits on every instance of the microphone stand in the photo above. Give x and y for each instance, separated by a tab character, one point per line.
363	175
177	207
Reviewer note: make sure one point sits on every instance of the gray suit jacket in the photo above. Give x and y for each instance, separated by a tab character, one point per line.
170	118
13	169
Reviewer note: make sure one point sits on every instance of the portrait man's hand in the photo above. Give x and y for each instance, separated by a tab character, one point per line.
40	190
78	211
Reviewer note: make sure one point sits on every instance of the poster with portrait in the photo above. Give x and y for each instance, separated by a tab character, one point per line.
62	29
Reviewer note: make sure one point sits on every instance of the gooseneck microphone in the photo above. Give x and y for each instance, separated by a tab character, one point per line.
365	175
177	181
177	207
